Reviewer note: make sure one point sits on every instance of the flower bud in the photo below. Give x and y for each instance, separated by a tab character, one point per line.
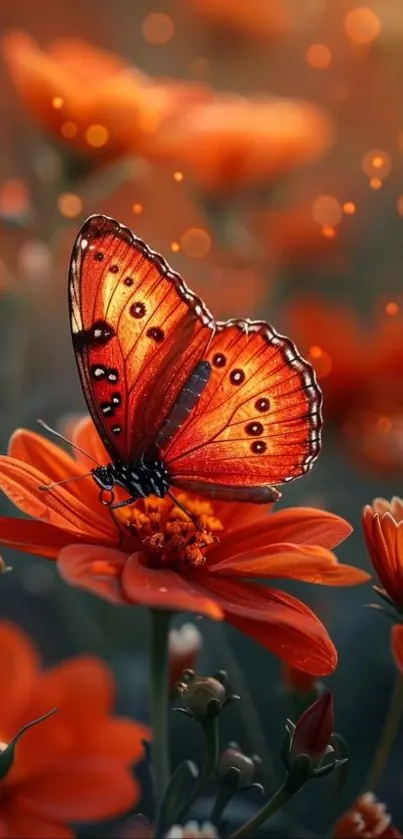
236	768
367	817
185	644
204	697
314	730
192	830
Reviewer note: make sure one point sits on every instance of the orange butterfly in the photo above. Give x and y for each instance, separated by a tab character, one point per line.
225	409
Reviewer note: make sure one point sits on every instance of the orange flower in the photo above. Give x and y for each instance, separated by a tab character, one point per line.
368	817
90	99
254	19
383	532
149	553
233	142
73	767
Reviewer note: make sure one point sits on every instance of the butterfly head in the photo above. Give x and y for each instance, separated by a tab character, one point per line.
104	477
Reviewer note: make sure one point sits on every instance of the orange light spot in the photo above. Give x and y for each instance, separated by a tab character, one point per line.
196	242
137	209
376	163
178	176
400	205
383	425
318	56
175	247
392	308
14	198
328	232
157	28
97	136
68	130
102	568
322	361
375	183
362	25
57	102
349	208
69	204
326	211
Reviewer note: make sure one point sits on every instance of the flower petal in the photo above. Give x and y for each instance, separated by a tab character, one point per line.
396	640
94	568
84	434
239	514
164	589
34	537
279	622
82	789
27	823
298	525
311	564
21	482
18	667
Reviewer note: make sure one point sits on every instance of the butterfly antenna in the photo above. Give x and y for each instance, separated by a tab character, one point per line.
182	507
61	437
65	481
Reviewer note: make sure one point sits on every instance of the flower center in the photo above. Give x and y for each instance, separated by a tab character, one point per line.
169	537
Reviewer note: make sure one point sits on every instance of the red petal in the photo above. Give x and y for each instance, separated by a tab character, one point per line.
21	483
314	728
300	526
164	589
18	670
278	621
27	823
82	789
34	537
94	568
310	563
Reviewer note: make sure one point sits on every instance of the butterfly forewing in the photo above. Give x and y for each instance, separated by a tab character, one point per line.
137	333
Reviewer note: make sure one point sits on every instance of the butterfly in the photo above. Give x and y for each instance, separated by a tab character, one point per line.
227	409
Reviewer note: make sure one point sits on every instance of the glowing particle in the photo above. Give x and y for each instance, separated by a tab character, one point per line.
97	136
383	425
392	308
157	28
362	25
318	56
175	247
328	231
57	102
137	209
349	208
196	242
376	163
68	130
322	361
69	204
326	211
375	183
178	176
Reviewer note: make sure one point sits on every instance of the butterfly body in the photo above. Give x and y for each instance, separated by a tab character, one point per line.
224	409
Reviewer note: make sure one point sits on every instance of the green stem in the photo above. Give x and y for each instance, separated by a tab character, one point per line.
224	795
159	699
211	734
283	794
388	735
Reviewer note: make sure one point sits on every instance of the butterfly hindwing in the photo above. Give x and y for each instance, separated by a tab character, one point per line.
138	333
258	420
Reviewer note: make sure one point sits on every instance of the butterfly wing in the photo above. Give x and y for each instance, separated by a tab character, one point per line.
257	422
138	332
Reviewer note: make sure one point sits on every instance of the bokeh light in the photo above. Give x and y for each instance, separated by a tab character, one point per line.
97	136
319	56
175	247
195	242
68	130
376	163
69	204
327	211
178	176
57	102
137	209
321	360
157	28
362	25
392	308
349	208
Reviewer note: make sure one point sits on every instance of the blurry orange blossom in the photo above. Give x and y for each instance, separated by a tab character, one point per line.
76	766
90	99
233	142
256	19
156	558
368	818
382	525
293	234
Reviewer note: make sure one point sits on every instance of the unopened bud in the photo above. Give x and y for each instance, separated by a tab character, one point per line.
204	697
313	730
237	768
